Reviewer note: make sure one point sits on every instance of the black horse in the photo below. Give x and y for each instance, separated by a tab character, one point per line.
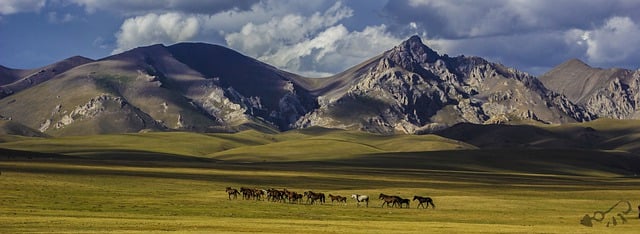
423	200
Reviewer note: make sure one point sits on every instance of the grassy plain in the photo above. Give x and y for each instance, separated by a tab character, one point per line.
145	188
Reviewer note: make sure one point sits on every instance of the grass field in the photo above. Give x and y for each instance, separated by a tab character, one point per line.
132	189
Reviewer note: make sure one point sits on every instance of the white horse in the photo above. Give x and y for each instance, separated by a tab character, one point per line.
361	198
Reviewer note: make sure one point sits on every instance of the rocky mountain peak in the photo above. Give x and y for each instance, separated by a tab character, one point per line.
411	53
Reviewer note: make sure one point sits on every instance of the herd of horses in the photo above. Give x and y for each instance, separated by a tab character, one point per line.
310	197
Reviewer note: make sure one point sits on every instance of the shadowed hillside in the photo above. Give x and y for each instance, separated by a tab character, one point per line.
601	134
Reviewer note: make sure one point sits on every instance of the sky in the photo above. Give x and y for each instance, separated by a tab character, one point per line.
318	38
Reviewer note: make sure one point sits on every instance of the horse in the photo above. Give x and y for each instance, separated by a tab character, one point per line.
297	198
232	191
314	196
361	198
423	200
393	200
404	201
258	193
247	193
338	198
292	196
275	195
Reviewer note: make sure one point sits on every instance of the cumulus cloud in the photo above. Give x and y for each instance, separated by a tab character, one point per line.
153	28
615	41
529	35
8	7
315	45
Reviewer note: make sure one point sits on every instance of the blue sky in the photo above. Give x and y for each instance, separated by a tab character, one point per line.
319	38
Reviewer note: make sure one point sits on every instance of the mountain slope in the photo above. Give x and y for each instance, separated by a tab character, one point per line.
411	88
15	80
261	90
158	88
613	93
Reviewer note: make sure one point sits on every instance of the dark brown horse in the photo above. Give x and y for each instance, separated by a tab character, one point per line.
232	191
387	199
423	200
338	198
312	196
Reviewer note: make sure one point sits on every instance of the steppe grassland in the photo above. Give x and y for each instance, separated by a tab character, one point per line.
62	196
181	188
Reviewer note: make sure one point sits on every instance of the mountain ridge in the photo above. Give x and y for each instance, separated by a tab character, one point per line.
612	92
202	87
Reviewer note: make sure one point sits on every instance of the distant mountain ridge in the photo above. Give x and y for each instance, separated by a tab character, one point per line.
208	88
612	93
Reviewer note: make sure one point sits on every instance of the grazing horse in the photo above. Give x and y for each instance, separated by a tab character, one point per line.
361	198
338	198
232	191
393	200
423	200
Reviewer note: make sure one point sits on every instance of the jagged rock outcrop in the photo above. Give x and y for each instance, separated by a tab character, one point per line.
411	87
612	93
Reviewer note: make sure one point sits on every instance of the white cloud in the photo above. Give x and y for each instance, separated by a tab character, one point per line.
8	7
153	28
261	39
616	40
315	45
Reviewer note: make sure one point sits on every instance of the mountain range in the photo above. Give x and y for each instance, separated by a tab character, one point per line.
209	88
